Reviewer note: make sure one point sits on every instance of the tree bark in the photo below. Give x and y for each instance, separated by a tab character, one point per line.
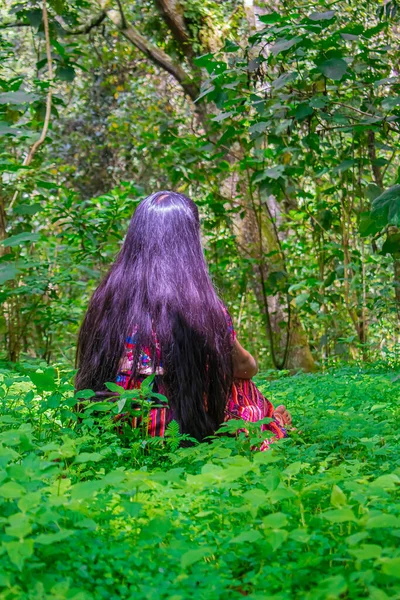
172	14
155	54
258	236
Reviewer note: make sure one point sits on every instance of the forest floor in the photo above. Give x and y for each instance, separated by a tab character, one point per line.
88	514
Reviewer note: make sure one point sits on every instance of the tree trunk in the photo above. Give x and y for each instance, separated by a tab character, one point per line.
258	239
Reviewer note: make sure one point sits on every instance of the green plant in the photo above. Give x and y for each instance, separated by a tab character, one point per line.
85	515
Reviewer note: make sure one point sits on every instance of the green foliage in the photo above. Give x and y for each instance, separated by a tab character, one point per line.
86	515
317	119
295	128
387	206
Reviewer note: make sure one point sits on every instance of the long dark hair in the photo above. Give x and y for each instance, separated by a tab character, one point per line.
160	283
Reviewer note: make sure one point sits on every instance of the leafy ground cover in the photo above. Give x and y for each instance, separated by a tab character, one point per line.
89	514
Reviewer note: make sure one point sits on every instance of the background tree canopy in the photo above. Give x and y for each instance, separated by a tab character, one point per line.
282	122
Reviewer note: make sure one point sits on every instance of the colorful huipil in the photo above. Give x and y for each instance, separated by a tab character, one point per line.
245	400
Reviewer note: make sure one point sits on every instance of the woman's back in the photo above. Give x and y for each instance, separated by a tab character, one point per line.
156	311
159	294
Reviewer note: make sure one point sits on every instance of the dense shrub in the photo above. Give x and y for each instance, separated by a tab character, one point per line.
86	513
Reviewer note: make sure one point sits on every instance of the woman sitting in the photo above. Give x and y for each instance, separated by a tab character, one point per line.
156	311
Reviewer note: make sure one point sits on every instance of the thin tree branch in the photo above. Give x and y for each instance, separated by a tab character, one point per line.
39	142
156	55
121	10
388	163
95	21
14	24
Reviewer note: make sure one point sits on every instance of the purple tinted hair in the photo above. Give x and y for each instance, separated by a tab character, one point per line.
160	282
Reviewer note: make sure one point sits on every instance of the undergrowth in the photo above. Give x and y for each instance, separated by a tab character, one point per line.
87	513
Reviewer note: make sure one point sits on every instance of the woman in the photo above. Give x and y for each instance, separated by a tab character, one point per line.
156	311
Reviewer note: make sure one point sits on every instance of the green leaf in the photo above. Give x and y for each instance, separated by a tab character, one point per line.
366	551
390	102
356	538
372	191
387	206
246	537
349	37
147	384
7	273
301	299
20	238
390	481
98	407
341	515
51	538
19	526
303	111
372	31
58	5
391	566
44	382
283	44
283	80
204	60
276	537
332	588
258	127
222	116
293	469
275	521
384	520
113	387
16	98
84	394
270	18
19	552
272	173
159	397
322	16
230	46
27	209
65	73
46	185
34	17
344	165
53	401
392	244
121	404
300	535
85	457
205	92
7	130
333	68
192	556
11	490
369	225
338	498
86	489
256	497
